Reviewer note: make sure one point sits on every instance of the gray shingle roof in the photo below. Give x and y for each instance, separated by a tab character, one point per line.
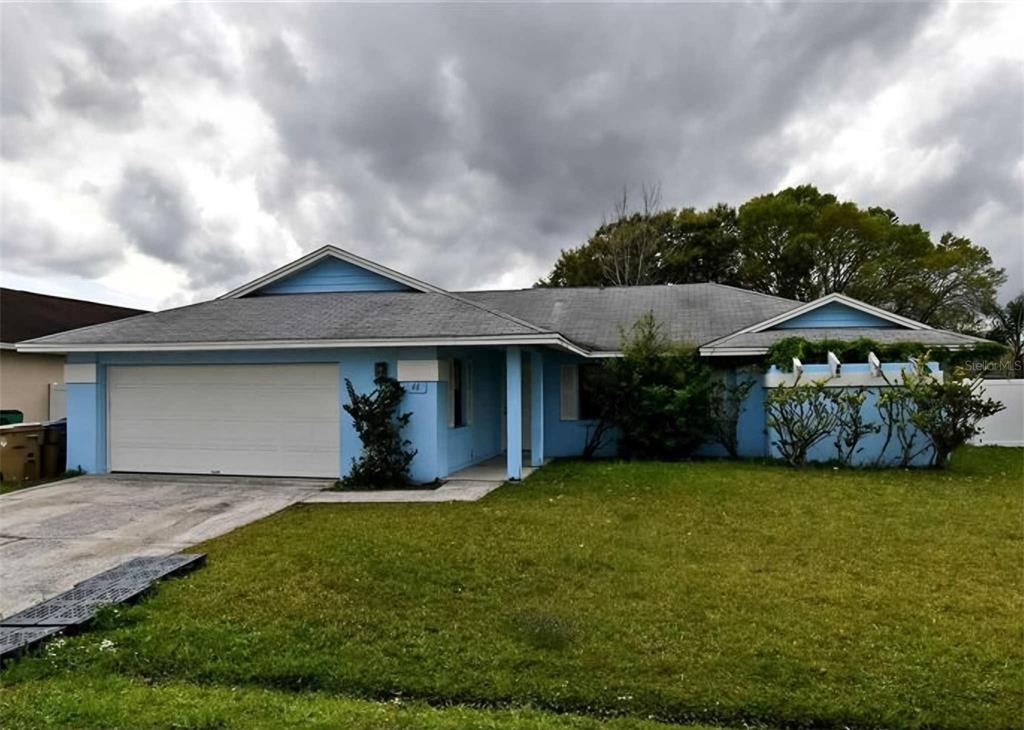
878	334
590	317
335	316
594	317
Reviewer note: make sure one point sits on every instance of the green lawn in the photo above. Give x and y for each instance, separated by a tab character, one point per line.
715	592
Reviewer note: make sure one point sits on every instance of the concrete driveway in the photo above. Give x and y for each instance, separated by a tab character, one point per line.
56	535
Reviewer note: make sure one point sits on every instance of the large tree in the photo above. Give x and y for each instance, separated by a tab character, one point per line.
1008	328
798	243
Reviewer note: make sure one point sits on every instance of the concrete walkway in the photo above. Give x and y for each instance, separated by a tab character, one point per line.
55	535
455	490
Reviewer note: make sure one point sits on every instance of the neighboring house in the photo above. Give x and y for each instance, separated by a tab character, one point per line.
253	382
26	378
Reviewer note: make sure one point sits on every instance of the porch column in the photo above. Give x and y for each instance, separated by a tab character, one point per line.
536	408
514	411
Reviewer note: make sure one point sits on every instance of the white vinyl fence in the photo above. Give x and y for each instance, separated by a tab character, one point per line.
1005	428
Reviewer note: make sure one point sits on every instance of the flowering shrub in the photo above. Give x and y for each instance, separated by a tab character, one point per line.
921	412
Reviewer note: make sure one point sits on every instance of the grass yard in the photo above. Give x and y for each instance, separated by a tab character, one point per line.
718	593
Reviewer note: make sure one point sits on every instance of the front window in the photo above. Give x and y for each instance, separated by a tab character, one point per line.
589	391
458	394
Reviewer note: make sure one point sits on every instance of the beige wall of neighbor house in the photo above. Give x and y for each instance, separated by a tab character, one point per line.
25	382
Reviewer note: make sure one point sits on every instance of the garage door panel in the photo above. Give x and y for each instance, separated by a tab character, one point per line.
240	419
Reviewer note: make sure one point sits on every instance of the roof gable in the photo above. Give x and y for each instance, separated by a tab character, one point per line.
835	314
330	269
843	313
830	314
330	275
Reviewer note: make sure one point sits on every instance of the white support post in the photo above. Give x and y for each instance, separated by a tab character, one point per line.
875	364
834	365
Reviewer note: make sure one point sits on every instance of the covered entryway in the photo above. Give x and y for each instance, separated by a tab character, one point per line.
273	420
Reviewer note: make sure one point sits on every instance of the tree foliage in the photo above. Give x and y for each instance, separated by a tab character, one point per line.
1008	328
798	243
947	411
385	459
656	396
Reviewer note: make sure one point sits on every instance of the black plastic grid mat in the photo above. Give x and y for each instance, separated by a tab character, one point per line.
16	639
75	606
78	606
148	569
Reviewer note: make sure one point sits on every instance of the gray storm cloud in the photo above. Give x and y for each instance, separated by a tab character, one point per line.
460	142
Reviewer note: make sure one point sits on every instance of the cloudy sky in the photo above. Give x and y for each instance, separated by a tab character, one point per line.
159	155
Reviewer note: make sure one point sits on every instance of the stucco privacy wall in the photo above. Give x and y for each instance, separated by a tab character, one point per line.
870	449
751	437
25	379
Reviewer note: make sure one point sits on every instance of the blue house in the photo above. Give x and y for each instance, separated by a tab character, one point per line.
252	383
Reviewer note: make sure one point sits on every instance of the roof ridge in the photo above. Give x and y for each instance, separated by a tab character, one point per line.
794	302
758	293
580	288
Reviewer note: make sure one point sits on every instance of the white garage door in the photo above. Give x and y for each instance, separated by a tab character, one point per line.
275	420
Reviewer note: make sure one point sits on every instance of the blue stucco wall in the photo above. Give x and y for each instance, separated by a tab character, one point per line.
87	412
870	448
331	275
480	439
564	438
83	448
751	437
834	314
441	449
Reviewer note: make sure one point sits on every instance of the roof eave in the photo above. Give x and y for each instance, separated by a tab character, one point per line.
732	351
548	339
712	351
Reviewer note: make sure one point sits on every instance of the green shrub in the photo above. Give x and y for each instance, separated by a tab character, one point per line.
895	407
947	411
656	396
384	461
801	415
851	427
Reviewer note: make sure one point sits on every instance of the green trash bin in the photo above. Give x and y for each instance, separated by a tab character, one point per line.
10	417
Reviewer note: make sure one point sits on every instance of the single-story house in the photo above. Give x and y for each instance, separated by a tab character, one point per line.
32	383
252	383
